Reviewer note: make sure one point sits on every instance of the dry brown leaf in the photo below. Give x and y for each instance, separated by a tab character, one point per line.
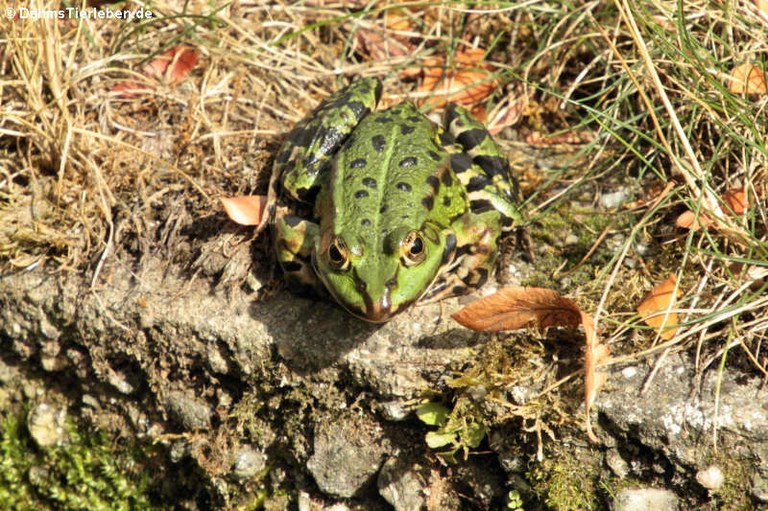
130	89
653	309
748	79
505	114
394	39
245	209
467	82
171	67
379	44
514	308
736	200
688	220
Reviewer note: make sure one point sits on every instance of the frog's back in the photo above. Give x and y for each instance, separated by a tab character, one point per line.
389	175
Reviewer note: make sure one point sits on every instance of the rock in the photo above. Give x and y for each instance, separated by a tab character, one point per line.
645	499
402	485
672	421
46	425
192	413
348	451
216	359
248	462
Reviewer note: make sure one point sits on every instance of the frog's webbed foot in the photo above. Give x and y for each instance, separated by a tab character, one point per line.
473	265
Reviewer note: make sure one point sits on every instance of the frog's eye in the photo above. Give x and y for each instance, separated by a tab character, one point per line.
413	250
338	255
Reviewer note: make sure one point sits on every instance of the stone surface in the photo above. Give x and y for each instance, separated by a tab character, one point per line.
348	451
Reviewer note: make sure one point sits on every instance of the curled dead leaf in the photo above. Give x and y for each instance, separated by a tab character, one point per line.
735	199
654	308
689	220
173	65
515	308
748	79
245	209
505	114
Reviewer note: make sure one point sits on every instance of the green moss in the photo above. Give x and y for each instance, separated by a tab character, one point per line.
88	472
568	482
563	237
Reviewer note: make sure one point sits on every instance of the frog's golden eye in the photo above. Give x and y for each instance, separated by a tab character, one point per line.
338	255
413	250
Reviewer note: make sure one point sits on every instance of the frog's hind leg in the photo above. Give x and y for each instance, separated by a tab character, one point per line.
482	167
293	248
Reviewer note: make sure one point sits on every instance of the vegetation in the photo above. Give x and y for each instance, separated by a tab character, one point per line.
87	472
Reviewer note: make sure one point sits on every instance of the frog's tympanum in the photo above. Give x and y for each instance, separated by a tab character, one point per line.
384	209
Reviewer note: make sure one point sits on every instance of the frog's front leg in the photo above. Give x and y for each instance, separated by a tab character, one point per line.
294	240
477	239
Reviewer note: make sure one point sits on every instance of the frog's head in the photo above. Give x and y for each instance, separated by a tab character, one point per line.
375	277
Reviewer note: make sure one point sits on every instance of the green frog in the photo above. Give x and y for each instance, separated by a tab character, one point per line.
386	209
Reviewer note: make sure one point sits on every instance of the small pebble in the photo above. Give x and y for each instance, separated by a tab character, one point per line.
614	199
248	463
393	411
711	478
629	372
645	499
46	425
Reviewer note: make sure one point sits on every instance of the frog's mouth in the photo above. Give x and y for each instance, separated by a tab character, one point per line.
373	311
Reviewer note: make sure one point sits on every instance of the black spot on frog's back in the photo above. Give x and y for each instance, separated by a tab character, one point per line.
378	142
434	183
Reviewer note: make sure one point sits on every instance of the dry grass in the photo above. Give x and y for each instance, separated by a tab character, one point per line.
86	173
